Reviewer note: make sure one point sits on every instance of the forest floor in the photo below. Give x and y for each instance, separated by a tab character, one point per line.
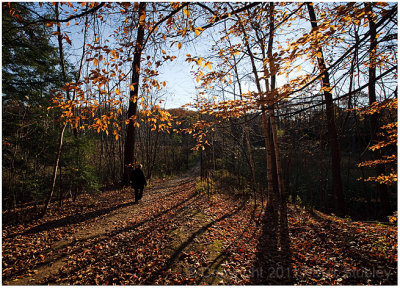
178	236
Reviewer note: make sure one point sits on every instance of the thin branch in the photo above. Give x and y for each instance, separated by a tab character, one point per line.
227	15
387	16
72	17
154	28
340	97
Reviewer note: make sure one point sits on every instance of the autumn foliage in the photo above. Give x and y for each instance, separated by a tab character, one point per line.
276	171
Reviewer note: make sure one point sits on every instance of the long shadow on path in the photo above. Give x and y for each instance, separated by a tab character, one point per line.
272	265
87	243
74	219
175	256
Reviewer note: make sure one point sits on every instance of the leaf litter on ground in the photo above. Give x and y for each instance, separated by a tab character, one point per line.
177	236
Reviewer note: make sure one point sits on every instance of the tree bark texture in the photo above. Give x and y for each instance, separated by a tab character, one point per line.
330	115
129	153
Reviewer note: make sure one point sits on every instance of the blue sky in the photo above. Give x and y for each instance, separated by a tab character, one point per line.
180	88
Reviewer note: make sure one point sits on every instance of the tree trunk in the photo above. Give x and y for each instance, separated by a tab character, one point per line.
246	131
330	114
60	141
382	190
270	176
129	155
270	103
54	178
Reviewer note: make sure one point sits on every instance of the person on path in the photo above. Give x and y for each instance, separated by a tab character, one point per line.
138	182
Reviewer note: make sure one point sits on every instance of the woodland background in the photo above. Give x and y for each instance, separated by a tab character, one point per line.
295	101
280	169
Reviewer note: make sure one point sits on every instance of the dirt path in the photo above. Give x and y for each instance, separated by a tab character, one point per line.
100	229
178	236
173	236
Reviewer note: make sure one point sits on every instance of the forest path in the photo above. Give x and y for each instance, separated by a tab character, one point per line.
173	236
99	228
179	236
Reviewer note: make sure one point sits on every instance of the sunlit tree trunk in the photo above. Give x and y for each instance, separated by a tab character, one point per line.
330	115
270	175
271	104
129	155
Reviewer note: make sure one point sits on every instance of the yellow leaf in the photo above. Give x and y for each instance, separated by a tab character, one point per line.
298	69
197	32
209	66
117	91
96	62
132	88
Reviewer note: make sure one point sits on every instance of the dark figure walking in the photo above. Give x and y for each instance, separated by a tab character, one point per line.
138	182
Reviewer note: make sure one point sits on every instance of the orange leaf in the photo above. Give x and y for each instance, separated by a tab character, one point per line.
68	40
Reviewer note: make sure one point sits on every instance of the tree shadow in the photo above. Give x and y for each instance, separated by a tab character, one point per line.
273	257
209	275
74	219
175	191
90	242
178	252
79	218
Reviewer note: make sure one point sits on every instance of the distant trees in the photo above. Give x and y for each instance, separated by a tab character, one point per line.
334	53
330	115
264	65
30	72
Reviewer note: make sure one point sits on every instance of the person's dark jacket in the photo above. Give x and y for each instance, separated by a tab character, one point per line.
137	178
